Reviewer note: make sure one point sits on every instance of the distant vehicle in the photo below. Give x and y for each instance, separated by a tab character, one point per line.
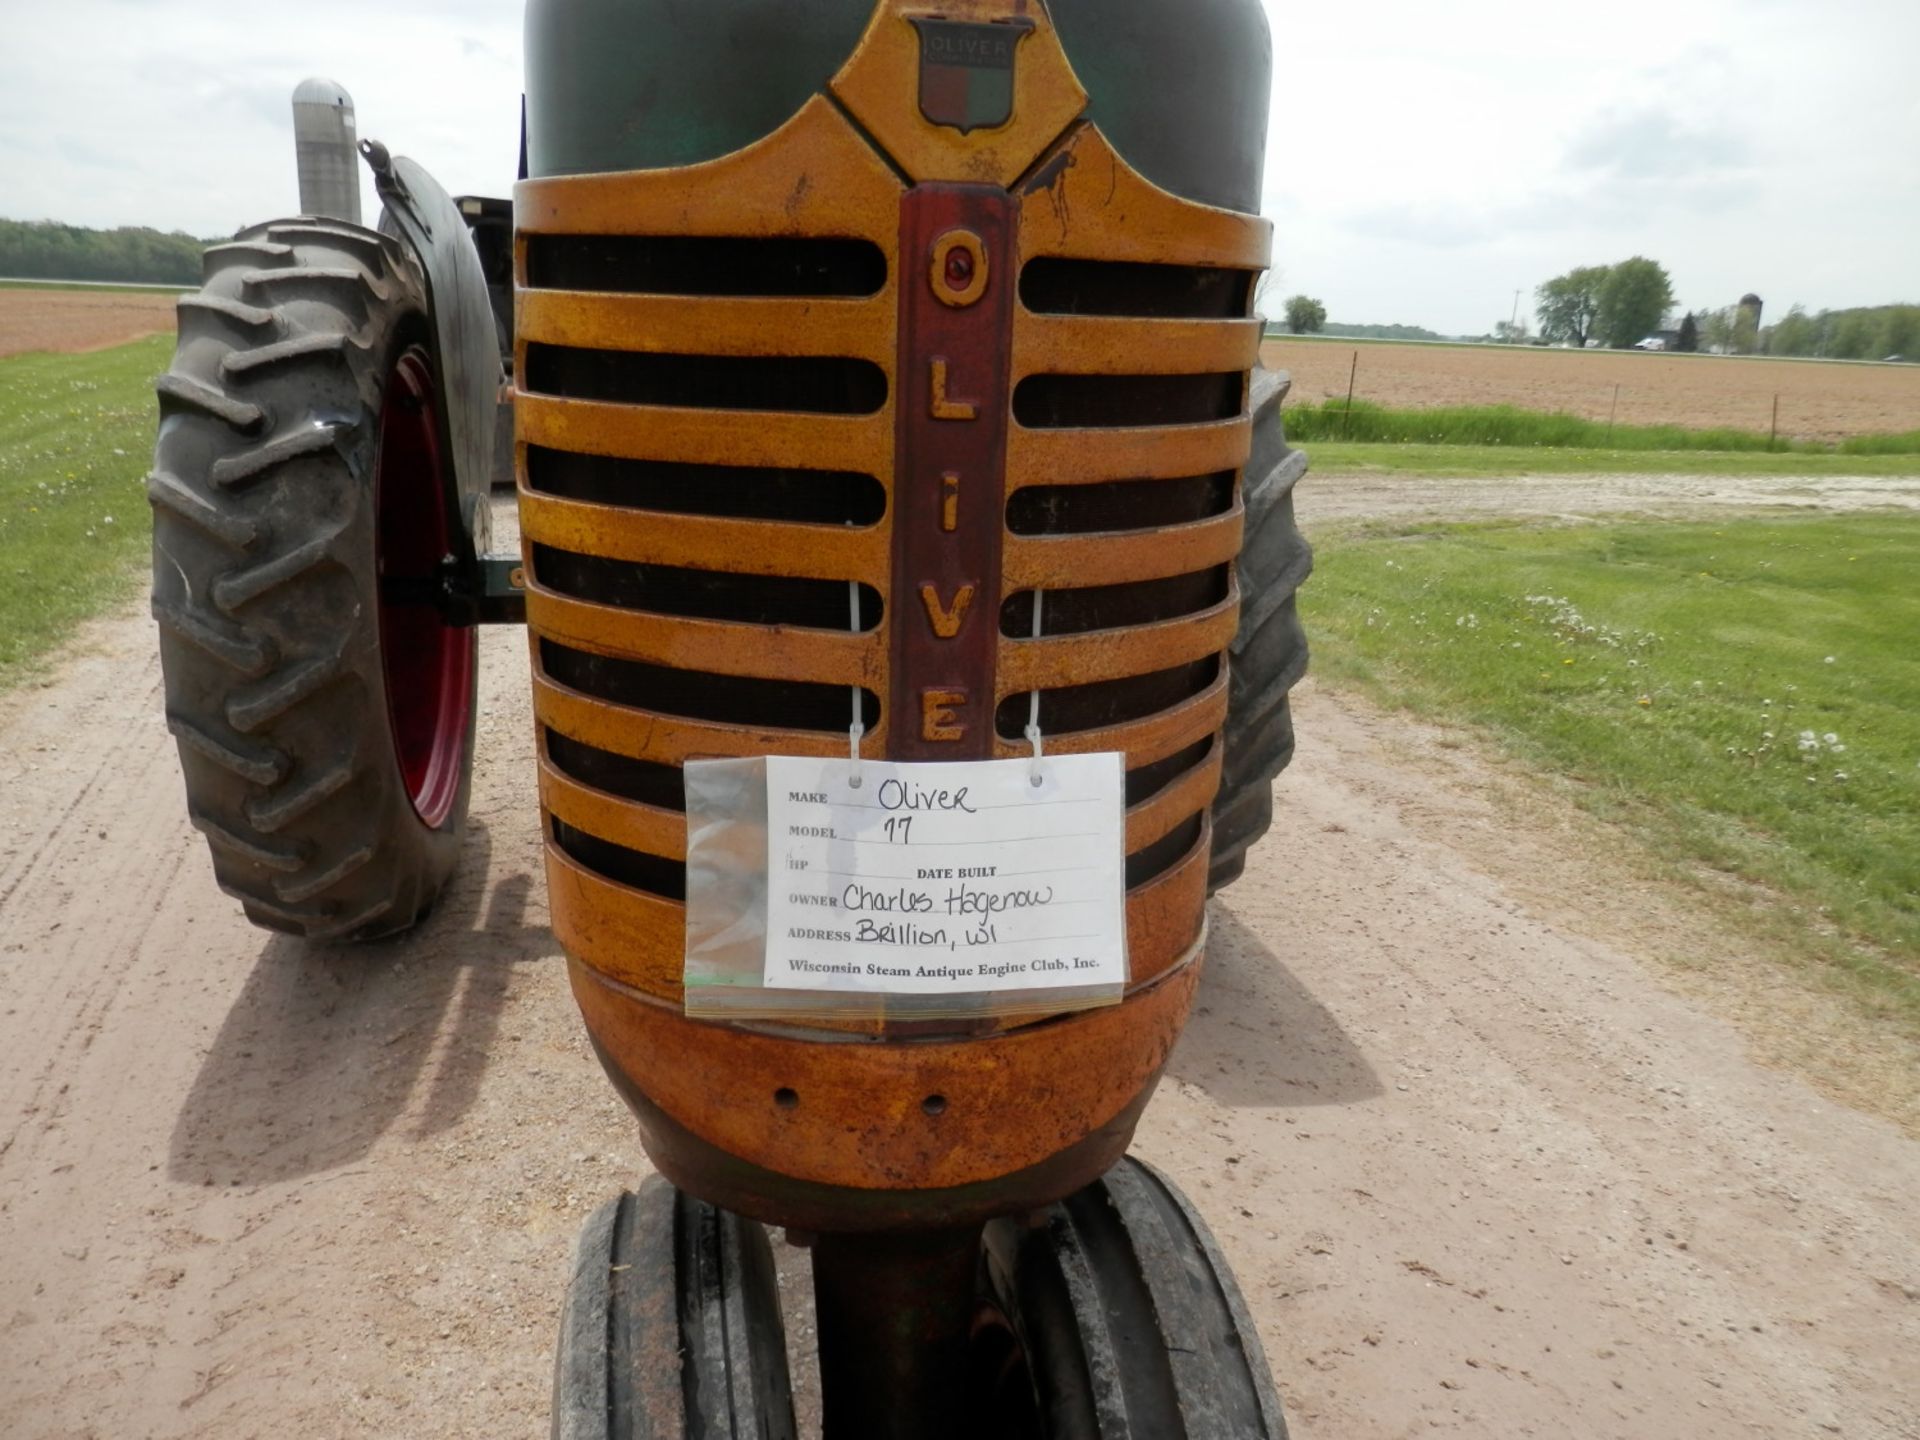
1652	342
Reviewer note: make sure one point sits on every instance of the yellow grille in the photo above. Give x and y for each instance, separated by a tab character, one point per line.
683	563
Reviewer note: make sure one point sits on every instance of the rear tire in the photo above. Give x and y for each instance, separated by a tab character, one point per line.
1269	653
326	739
672	1326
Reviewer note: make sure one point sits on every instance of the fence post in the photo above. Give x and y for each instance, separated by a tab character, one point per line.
1773	431
1612	410
1346	416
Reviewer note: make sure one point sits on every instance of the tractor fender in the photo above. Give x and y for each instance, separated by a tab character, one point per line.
466	352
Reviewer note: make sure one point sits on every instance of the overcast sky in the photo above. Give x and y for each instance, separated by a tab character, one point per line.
1425	160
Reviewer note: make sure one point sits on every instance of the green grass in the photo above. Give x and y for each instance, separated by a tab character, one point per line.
1744	697
1509	426
76	434
1335	457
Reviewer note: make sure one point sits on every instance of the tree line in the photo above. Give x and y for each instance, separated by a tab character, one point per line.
48	250
1619	305
1869	332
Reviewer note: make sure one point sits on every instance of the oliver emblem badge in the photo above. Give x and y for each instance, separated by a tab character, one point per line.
966	71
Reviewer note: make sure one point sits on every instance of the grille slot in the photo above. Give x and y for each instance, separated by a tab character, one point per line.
1111	607
703	594
1051	286
705	265
647	781
1149	780
1118	505
1163	854
1046	402
634	868
1071	708
702	695
821	497
805	384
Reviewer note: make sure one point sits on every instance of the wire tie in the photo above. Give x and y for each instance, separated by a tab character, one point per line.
1033	705
858	728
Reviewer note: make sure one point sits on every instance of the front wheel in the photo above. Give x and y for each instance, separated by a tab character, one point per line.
672	1326
303	507
1118	1319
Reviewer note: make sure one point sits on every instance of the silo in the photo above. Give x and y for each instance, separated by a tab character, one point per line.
1747	327
323	142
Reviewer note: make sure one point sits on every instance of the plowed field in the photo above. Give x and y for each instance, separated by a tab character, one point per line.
1819	400
69	321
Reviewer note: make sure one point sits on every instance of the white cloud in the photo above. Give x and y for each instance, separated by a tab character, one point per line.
1423	163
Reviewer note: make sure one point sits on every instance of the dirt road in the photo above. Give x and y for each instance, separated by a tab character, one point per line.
1480	1170
1362	495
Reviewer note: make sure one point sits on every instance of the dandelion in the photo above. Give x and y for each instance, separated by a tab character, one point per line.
1567	661
1828	660
1646	700
1831	738
1839	774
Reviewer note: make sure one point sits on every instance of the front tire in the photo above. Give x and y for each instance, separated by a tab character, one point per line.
672	1326
1118	1319
323	708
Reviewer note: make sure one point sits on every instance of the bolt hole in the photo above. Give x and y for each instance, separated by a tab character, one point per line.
934	1104
785	1098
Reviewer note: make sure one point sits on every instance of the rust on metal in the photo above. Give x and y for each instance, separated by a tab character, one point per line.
859	1118
812	176
880	86
1114	654
721	647
635	938
1093	457
1027	1110
1085	201
741	547
1049	562
673	739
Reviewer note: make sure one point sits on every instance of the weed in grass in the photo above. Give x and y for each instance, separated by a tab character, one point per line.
76	432
1745	696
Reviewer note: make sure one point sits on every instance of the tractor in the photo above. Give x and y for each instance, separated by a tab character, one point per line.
882	388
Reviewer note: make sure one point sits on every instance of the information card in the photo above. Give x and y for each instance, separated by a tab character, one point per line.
947	878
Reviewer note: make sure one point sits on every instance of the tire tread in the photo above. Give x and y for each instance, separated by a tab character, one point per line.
264	587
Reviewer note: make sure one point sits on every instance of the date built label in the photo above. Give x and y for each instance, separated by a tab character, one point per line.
945	878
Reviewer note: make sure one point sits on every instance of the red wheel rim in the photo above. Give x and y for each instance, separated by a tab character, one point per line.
427	663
